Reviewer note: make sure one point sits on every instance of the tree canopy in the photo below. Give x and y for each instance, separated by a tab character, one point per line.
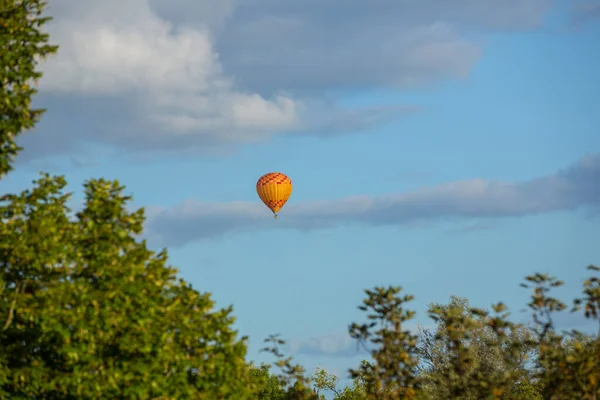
92	313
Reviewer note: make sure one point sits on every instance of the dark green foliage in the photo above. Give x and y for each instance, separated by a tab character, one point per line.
392	375
90	312
22	45
270	386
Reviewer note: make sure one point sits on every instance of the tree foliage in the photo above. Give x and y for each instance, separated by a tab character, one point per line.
92	313
392	375
270	386
23	44
473	353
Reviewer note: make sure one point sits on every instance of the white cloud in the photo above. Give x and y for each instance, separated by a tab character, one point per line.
173	75
322	45
102	54
569	189
193	76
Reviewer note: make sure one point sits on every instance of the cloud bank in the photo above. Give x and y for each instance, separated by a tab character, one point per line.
190	76
316	45
115	49
567	189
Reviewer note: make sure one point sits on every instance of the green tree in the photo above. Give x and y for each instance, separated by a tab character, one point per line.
324	382
465	357
91	313
270	387
393	374
357	391
293	376
568	364
22	45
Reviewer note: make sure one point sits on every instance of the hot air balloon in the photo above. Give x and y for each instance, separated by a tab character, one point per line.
274	189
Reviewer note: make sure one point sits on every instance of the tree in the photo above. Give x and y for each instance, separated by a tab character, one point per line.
473	353
23	44
357	391
91	313
323	382
568	364
464	356
87	310
392	375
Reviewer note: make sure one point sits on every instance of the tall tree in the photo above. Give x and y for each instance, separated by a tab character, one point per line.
22	45
91	313
463	357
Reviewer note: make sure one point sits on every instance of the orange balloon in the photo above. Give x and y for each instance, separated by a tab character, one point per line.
274	189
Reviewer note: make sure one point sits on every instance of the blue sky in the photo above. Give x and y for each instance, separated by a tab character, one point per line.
449	150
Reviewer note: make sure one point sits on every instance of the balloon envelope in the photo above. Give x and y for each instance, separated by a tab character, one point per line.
274	189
